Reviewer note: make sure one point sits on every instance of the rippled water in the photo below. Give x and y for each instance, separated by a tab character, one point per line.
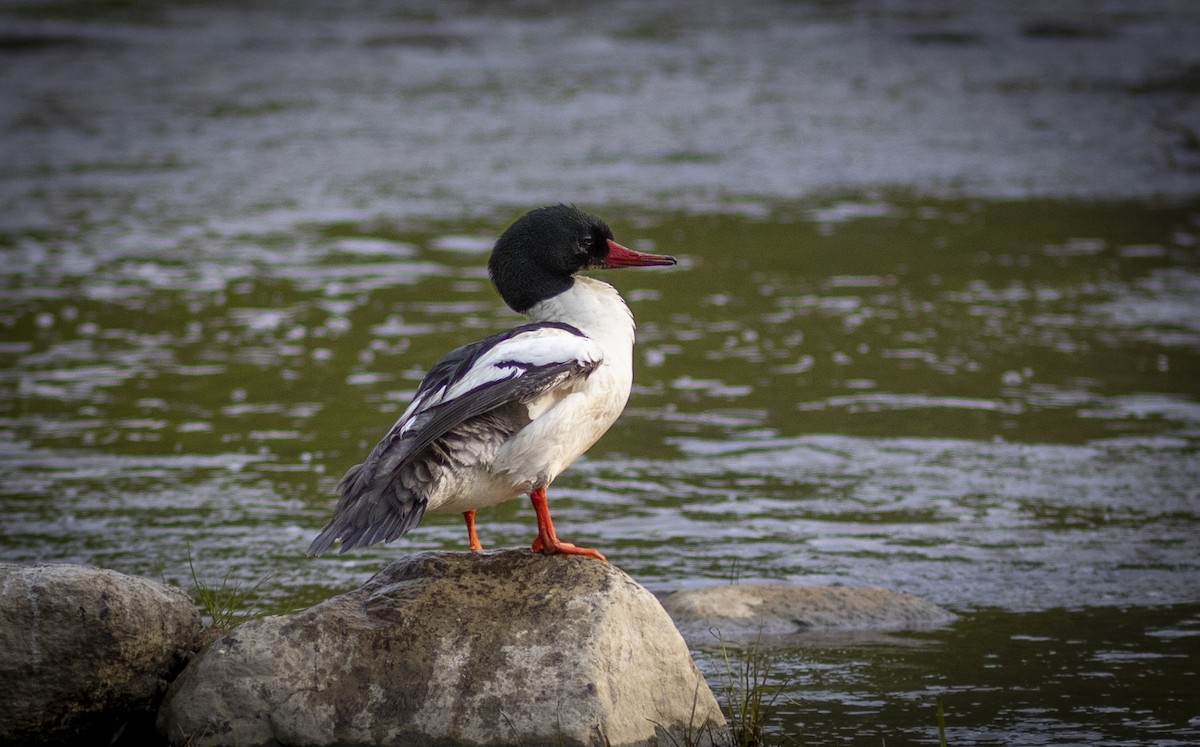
220	288
1002	420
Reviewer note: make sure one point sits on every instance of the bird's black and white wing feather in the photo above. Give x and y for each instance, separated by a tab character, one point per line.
473	397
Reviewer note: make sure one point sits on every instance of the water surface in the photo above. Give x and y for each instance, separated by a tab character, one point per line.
960	400
932	329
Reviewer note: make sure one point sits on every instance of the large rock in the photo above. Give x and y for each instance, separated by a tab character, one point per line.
453	648
750	610
85	653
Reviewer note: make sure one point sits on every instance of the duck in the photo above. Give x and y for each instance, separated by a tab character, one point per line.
502	417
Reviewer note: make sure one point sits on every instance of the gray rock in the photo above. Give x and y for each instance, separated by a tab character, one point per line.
743	610
85	653
452	648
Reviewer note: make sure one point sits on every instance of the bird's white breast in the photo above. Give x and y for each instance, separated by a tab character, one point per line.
567	424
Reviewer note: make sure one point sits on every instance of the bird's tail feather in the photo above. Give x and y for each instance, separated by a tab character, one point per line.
369	511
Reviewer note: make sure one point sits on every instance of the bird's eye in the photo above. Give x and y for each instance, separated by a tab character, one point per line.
588	242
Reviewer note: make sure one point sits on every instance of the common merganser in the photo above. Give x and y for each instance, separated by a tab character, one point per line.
503	416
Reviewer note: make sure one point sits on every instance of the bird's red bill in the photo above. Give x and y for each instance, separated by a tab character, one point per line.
620	256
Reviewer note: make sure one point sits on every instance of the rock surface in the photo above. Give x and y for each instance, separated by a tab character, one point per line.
743	610
85	653
506	647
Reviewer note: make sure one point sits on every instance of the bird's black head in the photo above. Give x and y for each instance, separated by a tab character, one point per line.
536	256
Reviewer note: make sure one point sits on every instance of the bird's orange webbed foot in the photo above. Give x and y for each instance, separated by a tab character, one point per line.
547	541
565	548
473	538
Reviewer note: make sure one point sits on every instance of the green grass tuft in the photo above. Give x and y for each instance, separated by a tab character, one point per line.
749	694
227	604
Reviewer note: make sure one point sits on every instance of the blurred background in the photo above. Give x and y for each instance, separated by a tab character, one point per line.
936	325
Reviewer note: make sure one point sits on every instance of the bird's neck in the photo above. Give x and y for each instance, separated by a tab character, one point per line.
594	308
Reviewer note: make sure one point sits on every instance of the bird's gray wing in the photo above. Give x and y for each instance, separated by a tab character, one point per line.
513	367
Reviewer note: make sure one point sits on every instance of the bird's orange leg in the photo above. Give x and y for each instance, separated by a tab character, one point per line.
471	536
547	541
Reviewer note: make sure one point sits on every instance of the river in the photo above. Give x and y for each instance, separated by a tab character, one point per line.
935	327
